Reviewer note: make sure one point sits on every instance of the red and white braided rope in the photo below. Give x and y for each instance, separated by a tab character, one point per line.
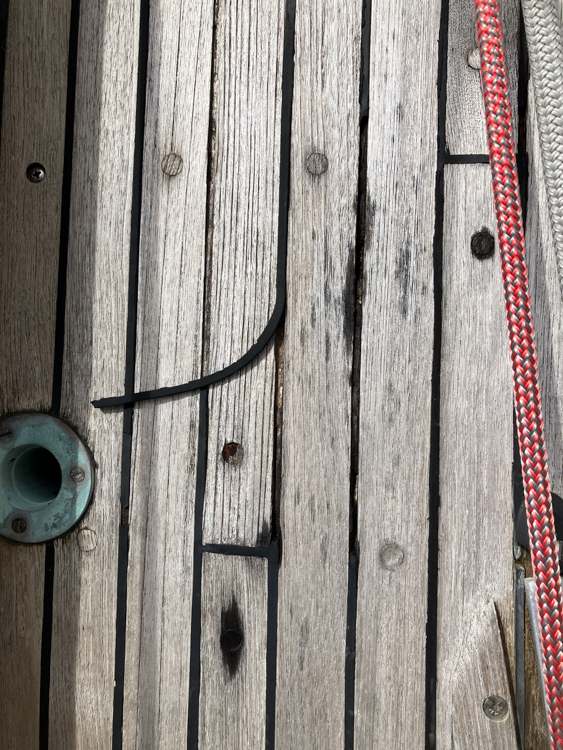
543	542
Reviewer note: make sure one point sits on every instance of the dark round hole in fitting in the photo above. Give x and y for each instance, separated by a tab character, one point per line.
231	640
482	244
37	475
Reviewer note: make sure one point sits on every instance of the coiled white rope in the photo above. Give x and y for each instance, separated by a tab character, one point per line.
544	35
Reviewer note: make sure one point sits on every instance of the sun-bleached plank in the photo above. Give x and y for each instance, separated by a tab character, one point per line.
241	269
232	707
465	112
476	439
169	347
84	603
33	130
315	473
481	673
395	385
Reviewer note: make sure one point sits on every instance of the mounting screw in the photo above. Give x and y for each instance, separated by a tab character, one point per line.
482	244
19	525
6	434
474	59
233	453
495	708
317	164
77	475
35	172
172	164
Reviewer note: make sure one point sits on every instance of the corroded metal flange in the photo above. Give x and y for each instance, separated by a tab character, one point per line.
46	478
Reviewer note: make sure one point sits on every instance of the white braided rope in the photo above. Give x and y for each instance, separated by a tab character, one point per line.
544	35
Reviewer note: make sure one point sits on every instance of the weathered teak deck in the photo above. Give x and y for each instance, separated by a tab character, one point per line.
363	547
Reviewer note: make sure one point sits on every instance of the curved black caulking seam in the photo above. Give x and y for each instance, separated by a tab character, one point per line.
262	341
279	307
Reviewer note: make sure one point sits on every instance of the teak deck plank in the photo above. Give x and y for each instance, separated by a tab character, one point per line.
396	371
316	427
466	132
476	446
242	265
33	130
169	350
85	566
233	677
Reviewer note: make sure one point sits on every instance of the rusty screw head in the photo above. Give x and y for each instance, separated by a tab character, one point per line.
233	453
6	434
482	244
35	172
495	708
19	525
77	475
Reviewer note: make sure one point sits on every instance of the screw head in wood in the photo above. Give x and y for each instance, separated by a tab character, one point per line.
87	540
19	525
391	556
482	244
35	172
495	708
233	453
317	164
172	164
474	59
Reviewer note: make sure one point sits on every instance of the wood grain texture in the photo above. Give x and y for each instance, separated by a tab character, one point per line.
241	269
395	380
547	308
475	533
169	347
232	708
315	481
33	129
480	673
84	602
466	132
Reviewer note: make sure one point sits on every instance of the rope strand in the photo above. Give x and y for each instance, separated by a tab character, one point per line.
541	528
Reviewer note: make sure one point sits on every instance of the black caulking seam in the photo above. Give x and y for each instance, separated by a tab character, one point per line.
350	663
448	158
65	208
46	641
434	459
195	645
272	644
130	351
49	580
361	219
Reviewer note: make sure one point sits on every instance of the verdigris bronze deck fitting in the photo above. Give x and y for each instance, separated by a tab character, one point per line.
46	478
